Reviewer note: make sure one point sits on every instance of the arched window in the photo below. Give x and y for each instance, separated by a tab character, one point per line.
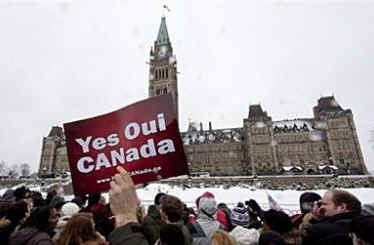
167	75
165	90
156	75
163	73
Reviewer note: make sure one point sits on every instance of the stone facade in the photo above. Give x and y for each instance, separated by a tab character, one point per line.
54	157
325	143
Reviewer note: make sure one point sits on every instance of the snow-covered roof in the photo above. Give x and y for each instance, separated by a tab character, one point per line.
212	136
321	167
293	125
289	168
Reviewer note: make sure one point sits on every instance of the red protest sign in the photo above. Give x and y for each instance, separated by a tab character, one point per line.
142	137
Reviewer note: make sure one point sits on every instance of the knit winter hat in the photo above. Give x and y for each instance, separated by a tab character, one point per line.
245	236
69	209
239	215
208	205
278	221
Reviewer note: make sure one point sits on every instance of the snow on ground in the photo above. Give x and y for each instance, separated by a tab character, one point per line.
288	199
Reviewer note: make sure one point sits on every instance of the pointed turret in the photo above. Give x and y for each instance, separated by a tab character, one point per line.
163	36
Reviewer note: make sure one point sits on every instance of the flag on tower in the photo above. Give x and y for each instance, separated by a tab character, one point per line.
167	8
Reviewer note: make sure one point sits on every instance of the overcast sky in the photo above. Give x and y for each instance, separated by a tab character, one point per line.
62	61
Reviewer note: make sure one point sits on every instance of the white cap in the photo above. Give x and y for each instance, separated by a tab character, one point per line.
69	209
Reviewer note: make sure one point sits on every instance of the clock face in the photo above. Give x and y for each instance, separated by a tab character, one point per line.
163	51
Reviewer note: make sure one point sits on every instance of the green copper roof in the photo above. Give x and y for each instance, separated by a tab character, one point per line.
163	36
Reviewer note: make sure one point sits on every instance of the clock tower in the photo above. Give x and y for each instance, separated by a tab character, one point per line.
163	67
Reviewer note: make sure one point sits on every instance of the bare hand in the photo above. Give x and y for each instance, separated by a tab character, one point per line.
123	199
4	222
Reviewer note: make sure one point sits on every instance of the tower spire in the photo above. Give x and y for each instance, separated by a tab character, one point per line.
163	35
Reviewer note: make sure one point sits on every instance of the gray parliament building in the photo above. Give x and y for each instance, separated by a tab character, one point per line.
323	144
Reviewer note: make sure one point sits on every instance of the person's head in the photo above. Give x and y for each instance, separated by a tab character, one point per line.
339	201
37	199
60	191
207	205
307	200
158	197
271	238
363	227
221	237
58	205
102	200
172	208
79	229
21	193
277	221
239	215
206	194
80	201
171	234
17	212
94	199
42	218
69	209
9	194
222	205
50	195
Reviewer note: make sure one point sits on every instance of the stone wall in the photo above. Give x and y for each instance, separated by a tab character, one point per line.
277	182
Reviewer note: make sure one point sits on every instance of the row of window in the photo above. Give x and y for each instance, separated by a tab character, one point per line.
292	138
343	145
161	74
226	156
161	91
302	148
341	133
214	148
338	123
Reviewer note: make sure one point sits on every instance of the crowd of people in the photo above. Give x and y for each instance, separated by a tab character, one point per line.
29	218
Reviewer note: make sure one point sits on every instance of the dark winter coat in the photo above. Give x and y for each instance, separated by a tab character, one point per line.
129	234
186	233
5	233
333	230
152	224
30	236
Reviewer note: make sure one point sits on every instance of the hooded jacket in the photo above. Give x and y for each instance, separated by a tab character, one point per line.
30	236
207	222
